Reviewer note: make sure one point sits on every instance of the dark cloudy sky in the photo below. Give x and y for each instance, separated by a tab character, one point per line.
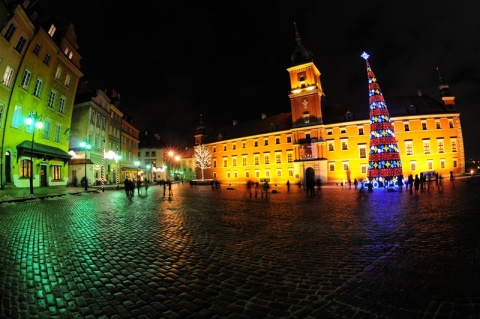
174	60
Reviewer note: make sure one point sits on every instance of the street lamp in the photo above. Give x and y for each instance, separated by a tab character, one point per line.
137	164
117	158
35	122
86	146
173	158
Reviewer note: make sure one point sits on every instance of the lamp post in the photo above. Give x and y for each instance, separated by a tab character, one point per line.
35	122
173	158
117	157
137	164
86	146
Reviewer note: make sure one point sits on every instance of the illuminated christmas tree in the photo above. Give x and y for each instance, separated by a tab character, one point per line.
384	162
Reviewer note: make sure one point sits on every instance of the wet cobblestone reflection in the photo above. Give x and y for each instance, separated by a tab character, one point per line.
219	254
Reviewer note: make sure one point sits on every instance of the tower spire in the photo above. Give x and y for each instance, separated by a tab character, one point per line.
300	55
384	158
443	87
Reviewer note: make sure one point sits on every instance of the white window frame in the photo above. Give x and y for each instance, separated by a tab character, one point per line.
38	87
8	75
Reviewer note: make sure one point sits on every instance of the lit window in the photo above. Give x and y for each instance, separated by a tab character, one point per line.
453	145
25	168
409	147
426	146
331	167
267	158
290	157
58	73
413	165
7	76
363	151
440	146
52	30
56	172
331	147
68	79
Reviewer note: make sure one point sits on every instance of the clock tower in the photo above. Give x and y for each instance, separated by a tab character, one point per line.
305	88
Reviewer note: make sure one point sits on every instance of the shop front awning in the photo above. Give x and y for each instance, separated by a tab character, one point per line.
42	150
79	161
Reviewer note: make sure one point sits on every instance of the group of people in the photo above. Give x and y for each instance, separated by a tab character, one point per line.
130	186
419	183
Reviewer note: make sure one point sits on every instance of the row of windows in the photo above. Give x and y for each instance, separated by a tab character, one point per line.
19	120
25	82
256	160
408	146
413	165
257	173
255	143
26	169
343	130
406	126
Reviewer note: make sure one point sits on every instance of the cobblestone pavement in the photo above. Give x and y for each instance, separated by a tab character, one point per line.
221	254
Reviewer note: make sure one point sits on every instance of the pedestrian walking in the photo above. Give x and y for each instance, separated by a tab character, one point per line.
170	192
146	185
126	184
139	185
416	183
265	189
451	179
355	183
288	186
164	187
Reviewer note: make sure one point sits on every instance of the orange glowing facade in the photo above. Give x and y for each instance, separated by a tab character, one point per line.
331	142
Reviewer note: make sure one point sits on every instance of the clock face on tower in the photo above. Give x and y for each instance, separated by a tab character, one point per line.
305	103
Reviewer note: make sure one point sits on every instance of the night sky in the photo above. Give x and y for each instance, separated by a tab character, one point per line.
172	61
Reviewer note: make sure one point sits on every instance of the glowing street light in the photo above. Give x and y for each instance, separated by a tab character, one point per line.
86	146
35	122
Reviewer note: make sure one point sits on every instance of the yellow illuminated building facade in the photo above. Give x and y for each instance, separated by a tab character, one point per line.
331	142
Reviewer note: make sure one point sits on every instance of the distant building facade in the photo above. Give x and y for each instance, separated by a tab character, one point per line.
40	69
331	142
